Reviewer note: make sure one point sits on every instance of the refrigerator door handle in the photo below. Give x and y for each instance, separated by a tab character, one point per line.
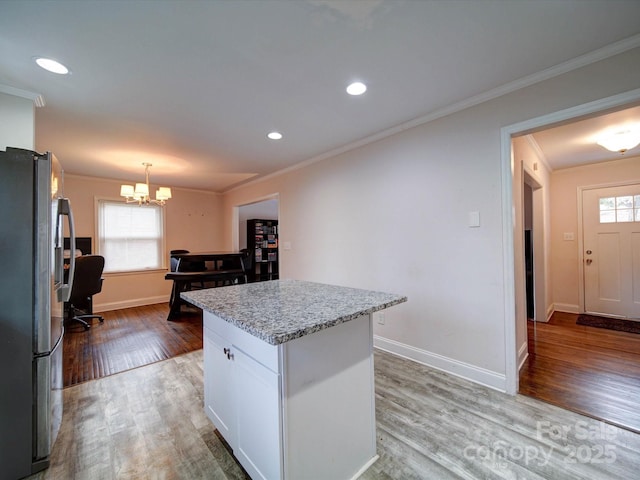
64	209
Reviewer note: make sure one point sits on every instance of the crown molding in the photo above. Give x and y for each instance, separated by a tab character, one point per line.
539	153
36	98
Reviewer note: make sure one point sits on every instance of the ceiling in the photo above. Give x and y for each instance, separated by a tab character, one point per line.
574	144
194	86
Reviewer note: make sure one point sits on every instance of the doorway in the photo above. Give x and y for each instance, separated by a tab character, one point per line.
262	264
513	260
565	365
534	247
264	209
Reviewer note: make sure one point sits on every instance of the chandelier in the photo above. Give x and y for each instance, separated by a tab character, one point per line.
140	193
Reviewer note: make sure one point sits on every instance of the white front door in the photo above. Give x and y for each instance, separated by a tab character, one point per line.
611	256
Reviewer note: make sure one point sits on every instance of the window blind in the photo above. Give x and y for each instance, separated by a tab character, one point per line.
130	237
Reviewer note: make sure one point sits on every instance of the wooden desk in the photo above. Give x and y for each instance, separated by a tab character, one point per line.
220	275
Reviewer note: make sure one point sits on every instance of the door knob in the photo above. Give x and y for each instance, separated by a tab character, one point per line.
589	252
589	261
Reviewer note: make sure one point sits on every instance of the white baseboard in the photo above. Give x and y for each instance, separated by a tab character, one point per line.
550	311
566	307
464	370
523	354
365	467
136	302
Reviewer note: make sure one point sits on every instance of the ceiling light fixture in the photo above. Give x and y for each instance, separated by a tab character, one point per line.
140	194
51	65
620	140
356	88
274	136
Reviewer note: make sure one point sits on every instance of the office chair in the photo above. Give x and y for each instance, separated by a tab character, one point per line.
87	281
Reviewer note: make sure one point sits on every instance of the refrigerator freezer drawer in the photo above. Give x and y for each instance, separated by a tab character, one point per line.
49	404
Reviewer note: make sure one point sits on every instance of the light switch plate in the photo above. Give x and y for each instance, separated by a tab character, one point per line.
474	219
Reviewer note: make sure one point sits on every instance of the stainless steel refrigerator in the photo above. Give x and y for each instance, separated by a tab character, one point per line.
33	219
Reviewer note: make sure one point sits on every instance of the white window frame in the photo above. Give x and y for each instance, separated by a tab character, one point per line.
98	201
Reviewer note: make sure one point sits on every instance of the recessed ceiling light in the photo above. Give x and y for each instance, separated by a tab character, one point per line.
356	88
52	65
274	135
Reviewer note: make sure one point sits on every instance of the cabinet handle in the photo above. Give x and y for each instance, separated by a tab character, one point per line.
227	352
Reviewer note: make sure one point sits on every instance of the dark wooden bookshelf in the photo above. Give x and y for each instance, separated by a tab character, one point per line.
262	243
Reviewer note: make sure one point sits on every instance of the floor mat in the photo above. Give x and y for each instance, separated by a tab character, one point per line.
609	323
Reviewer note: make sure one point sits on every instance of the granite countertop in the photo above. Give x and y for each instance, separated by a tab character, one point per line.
281	310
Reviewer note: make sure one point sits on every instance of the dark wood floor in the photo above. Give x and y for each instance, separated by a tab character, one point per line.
128	338
588	370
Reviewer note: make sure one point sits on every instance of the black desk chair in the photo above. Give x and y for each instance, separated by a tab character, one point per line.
87	281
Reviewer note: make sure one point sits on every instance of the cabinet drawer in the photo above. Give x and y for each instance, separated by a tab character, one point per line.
259	350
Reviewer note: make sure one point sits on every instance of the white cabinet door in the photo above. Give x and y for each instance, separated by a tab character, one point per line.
258	435
218	385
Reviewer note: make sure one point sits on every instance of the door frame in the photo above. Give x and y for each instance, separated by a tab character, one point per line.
235	216
538	247
581	189
510	208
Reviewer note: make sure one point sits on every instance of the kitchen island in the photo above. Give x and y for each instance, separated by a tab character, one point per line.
288	375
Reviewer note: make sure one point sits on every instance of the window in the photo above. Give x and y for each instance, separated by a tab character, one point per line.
620	209
130	237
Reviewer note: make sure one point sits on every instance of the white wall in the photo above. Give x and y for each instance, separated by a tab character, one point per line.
17	122
392	215
564	218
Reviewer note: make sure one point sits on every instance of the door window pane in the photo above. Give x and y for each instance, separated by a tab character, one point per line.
624	215
608	203
608	216
625	208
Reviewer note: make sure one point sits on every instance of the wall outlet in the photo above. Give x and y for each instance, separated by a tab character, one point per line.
381	318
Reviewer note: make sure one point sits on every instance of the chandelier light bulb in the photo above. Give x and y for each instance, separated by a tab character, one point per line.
140	193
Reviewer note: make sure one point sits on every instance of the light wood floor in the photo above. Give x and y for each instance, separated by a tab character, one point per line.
589	370
149	423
